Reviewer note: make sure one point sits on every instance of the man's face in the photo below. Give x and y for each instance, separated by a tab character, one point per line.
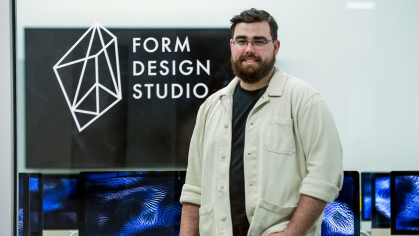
251	63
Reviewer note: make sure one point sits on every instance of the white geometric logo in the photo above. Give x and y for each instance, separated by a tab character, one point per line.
89	75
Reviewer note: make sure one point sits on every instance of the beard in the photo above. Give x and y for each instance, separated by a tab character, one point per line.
252	74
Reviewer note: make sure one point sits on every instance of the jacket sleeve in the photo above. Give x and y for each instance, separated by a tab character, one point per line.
322	149
191	191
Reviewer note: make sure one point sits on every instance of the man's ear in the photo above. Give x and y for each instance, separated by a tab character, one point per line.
231	45
277	45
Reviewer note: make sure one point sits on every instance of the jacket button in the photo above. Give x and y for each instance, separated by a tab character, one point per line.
221	186
251	123
251	184
223	218
225	126
248	153
222	157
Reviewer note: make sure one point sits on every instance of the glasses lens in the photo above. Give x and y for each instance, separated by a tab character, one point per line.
241	42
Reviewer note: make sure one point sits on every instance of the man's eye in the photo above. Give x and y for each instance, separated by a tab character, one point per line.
259	42
241	42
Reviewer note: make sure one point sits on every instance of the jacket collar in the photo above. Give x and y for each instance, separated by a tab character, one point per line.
275	87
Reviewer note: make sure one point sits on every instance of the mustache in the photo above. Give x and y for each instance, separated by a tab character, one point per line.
248	56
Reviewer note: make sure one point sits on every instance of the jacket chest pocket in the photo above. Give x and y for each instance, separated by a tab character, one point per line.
280	136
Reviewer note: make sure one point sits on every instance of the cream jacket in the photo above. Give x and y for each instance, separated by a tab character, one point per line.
291	147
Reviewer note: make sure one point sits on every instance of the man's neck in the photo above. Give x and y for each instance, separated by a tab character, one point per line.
260	84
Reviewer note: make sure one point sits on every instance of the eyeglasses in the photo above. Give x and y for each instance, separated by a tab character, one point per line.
241	43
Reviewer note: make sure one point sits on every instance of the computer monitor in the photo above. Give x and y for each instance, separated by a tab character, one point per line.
342	217
36	210
60	201
130	203
366	196
23	224
404	190
380	210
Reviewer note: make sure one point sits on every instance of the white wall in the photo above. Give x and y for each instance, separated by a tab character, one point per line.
5	121
363	62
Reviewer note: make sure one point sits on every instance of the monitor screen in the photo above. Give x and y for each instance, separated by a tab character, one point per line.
130	203
60	201
36	196
23	224
342	216
366	196
405	202
380	211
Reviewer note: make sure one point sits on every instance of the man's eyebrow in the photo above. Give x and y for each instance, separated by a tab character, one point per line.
259	38
241	37
254	38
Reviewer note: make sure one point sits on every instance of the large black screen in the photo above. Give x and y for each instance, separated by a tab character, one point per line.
118	97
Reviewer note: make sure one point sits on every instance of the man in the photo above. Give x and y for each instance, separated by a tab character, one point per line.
265	155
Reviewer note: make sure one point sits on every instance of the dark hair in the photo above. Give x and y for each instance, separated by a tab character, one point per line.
253	15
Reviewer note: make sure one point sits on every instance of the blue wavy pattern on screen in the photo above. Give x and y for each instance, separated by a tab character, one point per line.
60	203
407	198
33	184
129	206
33	188
366	201
339	216
382	196
367	207
20	223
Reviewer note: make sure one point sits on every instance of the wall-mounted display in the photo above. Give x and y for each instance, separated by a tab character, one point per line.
112	97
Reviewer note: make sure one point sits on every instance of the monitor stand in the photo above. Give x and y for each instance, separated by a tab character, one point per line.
69	232
380	232
366	226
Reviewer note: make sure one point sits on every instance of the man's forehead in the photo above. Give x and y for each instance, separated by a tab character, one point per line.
252	30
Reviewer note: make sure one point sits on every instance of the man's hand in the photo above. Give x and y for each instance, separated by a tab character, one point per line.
308	211
189	223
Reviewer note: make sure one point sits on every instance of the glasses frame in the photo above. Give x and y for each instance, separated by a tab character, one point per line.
252	41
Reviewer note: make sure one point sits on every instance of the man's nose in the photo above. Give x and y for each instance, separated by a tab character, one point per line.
250	47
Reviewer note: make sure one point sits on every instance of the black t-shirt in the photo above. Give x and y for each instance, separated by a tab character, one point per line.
243	103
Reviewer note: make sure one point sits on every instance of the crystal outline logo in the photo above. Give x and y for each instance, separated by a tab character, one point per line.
95	29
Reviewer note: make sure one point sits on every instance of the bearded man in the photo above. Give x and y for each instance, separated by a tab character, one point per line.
265	155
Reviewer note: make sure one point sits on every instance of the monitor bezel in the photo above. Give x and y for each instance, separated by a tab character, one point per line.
40	208
357	213
25	205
